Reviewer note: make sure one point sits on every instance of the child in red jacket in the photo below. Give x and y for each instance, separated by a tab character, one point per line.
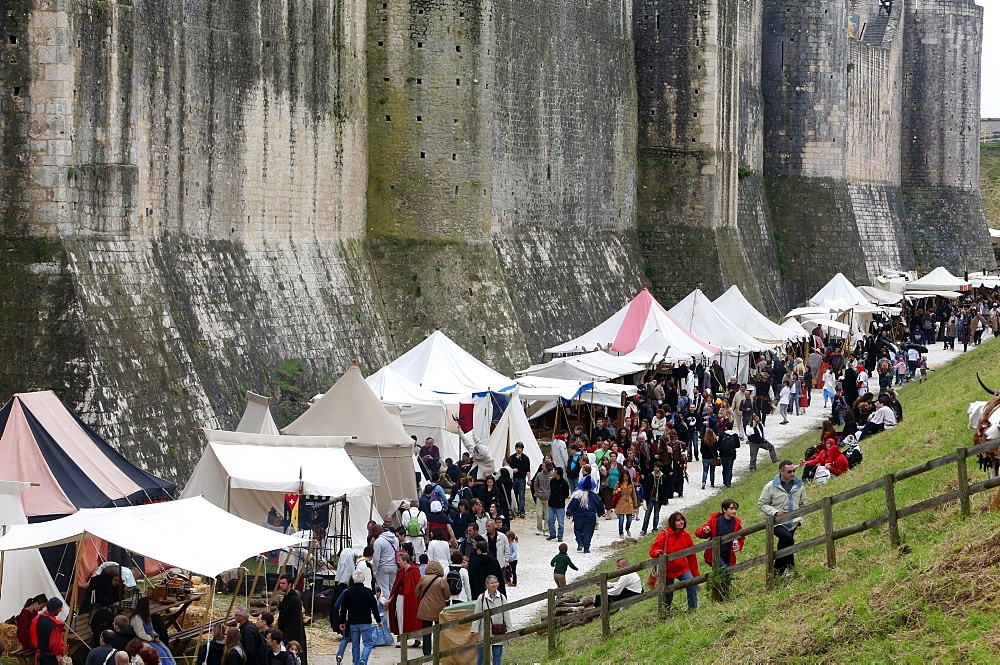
674	539
721	524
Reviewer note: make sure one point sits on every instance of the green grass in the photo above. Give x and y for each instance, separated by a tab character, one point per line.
989	182
935	599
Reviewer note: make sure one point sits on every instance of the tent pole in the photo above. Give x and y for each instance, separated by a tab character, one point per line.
208	615
302	568
239	585
70	618
229	492
555	425
256	576
1	559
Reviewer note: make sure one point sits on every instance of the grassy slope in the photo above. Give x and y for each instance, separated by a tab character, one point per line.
935	599
989	183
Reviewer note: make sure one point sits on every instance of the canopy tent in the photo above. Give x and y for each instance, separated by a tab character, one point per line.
832	324
514	427
548	389
656	348
257	416
796	328
379	446
839	288
938	279
24	573
633	323
985	279
697	313
44	442
920	295
602	394
422	413
593	366
167	531
442	366
248	474
880	296
744	315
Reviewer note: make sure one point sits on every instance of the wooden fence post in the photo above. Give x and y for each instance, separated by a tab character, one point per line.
661	596
605	610
552	622
831	544
769	549
963	482
487	631
436	643
403	642
890	504
716	554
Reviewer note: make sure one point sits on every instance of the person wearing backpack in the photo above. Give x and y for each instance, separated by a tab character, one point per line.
458	579
433	592
415	522
726	450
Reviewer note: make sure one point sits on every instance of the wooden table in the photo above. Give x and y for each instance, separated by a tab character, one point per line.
172	619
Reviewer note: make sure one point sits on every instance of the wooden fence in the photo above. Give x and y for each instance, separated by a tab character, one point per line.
551	624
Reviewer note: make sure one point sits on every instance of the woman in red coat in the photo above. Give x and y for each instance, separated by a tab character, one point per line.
674	539
721	524
835	460
403	601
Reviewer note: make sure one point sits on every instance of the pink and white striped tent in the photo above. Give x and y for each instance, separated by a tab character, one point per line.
627	328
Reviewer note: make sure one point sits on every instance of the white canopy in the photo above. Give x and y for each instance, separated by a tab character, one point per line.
596	365
839	288
190	533
547	389
880	296
24	573
514	427
987	280
919	295
257	416
828	323
247	474
442	366
422	413
938	279
634	322
796	328
656	348
739	310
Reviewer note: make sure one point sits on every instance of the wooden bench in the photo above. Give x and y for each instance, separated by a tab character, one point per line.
25	655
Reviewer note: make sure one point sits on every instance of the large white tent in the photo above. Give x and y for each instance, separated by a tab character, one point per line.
192	534
592	366
378	445
257	416
697	313
248	474
24	572
839	288
514	427
634	322
422	413
442	366
938	279
739	310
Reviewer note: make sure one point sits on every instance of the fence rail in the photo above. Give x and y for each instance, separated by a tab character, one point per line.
892	516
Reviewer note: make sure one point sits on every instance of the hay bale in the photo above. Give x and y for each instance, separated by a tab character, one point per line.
195	616
8	634
202	588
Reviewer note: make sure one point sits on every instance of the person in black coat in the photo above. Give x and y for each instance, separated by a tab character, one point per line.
481	566
850	384
251	640
290	615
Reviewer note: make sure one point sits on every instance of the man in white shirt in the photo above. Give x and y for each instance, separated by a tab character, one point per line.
408	515
883	417
626	586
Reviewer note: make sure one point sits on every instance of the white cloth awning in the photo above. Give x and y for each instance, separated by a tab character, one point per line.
596	365
189	533
545	388
919	295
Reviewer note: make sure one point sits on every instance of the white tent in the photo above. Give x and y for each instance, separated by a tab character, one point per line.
739	310
442	366
248	474
422	413
795	327
378	445
880	296
24	573
192	534
985	279
839	288
257	416
938	279
548	389
654	349
593	366
697	313
634	322
514	427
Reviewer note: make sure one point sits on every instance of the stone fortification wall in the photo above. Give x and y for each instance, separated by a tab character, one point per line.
940	152
687	87
753	215
564	163
989	130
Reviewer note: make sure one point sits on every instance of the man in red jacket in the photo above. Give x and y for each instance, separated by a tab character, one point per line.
47	634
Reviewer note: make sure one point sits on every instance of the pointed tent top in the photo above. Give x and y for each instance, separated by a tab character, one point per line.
839	288
257	416
442	366
354	362
739	310
350	408
704	319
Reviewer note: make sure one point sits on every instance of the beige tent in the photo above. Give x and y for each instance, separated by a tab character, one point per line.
381	449
257	416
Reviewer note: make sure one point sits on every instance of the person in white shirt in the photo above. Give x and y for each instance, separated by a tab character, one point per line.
784	399
883	417
626	586
414	512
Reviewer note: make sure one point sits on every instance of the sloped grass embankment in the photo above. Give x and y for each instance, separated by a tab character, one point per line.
934	599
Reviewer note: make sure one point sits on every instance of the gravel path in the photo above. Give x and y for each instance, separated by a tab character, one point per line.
535	552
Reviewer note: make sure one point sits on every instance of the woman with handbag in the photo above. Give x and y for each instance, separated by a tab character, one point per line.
500	622
709	457
674	539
